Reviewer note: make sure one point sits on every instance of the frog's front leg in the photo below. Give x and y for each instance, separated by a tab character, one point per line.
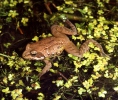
46	68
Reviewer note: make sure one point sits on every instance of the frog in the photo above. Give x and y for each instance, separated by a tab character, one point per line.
54	45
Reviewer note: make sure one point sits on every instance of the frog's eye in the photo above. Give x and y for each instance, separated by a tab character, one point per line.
37	55
33	53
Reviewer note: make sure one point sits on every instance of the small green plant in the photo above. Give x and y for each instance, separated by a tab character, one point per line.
92	76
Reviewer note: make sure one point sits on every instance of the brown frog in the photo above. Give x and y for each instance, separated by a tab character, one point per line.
54	45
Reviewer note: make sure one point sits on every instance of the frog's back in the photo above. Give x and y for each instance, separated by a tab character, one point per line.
49	46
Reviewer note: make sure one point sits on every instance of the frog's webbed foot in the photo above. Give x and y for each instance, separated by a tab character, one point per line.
85	47
102	53
73	28
46	68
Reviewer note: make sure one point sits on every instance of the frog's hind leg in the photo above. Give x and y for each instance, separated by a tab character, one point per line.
72	49
60	31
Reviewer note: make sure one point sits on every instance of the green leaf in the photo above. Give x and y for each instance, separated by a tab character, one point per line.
6	90
81	90
56	64
115	88
35	38
102	93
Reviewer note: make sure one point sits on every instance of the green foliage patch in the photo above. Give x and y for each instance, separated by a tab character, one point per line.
70	78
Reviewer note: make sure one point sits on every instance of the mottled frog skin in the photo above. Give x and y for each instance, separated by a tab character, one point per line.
54	45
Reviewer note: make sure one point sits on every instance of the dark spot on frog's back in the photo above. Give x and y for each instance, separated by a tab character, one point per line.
51	41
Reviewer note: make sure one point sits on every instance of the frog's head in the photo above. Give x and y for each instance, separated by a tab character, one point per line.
32	54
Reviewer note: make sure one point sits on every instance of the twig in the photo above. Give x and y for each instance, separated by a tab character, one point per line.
63	76
20	30
4	55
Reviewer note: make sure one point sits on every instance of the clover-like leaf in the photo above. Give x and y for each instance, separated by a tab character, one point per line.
59	83
115	88
102	93
40	96
81	90
56	64
6	90
36	38
36	85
